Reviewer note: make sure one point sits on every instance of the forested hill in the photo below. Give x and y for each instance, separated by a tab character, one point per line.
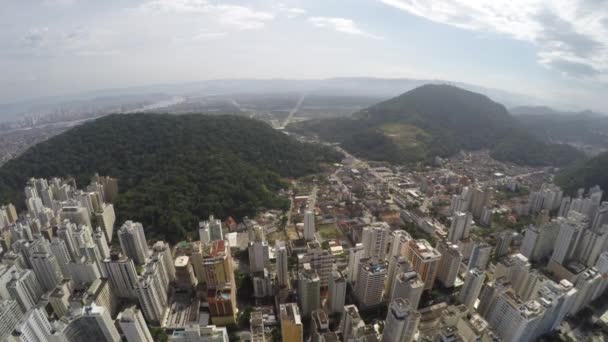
585	175
437	120
173	170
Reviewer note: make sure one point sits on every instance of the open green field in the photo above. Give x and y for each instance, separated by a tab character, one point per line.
329	231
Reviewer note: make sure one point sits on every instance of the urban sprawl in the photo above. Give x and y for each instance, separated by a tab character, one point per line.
469	249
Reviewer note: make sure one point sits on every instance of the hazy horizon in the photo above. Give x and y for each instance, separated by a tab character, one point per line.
555	51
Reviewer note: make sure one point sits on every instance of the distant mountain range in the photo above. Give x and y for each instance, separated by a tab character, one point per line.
173	170
437	120
111	100
587	130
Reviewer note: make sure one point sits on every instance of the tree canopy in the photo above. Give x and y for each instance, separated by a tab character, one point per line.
173	170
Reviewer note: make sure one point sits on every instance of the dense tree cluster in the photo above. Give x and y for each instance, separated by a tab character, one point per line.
585	175
452	119
173	170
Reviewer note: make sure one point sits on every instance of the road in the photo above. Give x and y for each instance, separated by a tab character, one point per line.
293	112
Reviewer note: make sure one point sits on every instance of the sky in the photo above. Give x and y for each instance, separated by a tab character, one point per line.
549	49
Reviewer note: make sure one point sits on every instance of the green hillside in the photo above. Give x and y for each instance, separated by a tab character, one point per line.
437	120
585	175
173	170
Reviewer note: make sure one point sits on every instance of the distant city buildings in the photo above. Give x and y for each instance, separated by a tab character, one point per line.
62	278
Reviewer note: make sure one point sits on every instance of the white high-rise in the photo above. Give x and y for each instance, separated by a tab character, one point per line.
10	316
370	282
210	230
162	253
472	287
59	249
25	288
309	226
399	242
375	238
337	292
480	256
282	265
133	242
258	255
320	260
133	325
396	265
101	242
513	320
460	227
355	254
121	272
35	327
350	323
91	323
47	270
66	233
407	285
539	241
449	263
152	294
569	234
401	322
309	290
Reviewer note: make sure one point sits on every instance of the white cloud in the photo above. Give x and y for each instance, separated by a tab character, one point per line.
38	37
233	16
59	2
78	41
341	25
289	12
570	34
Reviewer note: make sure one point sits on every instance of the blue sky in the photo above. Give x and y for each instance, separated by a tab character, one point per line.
554	50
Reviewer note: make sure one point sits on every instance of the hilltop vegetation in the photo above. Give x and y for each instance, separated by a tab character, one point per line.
173	170
585	175
437	120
